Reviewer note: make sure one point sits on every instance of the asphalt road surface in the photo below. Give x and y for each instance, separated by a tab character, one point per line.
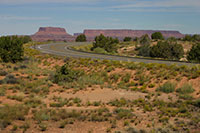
63	49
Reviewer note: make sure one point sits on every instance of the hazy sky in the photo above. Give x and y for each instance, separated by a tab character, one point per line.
26	16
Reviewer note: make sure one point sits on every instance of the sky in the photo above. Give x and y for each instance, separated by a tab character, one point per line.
24	17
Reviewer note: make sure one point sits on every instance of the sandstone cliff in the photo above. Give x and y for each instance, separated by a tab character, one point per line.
53	34
91	34
60	34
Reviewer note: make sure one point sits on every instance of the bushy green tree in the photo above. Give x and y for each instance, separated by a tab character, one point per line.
144	50
167	50
11	48
26	39
157	35
194	38
171	39
137	40
160	50
177	51
194	53
187	38
107	43
81	38
127	39
144	40
66	74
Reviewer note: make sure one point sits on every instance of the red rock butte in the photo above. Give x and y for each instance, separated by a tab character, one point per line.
121	33
53	34
60	34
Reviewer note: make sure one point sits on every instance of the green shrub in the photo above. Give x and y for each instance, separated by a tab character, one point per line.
25	39
144	50
66	74
43	126
96	103
151	85
93	79
99	50
167	87
185	89
14	127
113	124
77	100
81	38
126	123
10	113
114	77
25	126
96	117
145	40
197	103
162	130
23	67
167	50
123	113
142	79
194	53
192	38
119	103
127	39
187	38
11	48
107	43
40	90
3	73
33	102
133	130
62	124
41	115
185	97
164	119
62	114
16	97
126	78
1	82
196	37
171	39
157	35
148	108
109	69
56	105
2	91
10	79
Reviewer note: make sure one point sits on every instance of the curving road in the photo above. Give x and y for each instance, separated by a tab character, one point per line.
63	49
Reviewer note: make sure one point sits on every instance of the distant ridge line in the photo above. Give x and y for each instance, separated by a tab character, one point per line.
60	34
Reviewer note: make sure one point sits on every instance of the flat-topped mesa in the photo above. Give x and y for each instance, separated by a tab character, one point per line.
52	30
53	34
121	33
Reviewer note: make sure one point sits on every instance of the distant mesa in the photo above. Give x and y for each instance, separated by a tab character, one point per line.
121	33
60	34
53	34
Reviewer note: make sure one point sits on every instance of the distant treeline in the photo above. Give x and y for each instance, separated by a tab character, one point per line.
166	49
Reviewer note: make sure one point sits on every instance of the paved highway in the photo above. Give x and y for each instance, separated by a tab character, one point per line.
63	49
